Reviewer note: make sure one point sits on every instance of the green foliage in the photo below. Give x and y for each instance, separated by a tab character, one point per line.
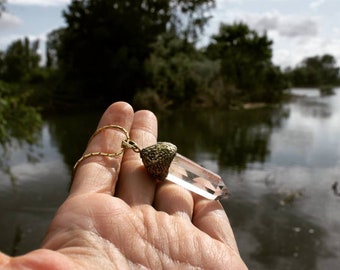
189	17
170	69
246	63
144	51
102	50
20	62
53	47
17	119
104	45
178	74
20	68
315	71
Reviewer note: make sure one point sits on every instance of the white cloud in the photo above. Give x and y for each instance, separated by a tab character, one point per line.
292	26
5	40
295	36
285	25
265	22
316	4
39	2
9	21
293	52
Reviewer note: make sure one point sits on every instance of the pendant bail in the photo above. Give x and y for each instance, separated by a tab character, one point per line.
128	144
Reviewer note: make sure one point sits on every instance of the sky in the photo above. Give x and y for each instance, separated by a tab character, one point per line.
298	28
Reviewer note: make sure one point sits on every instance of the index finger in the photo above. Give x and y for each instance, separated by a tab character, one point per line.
99	173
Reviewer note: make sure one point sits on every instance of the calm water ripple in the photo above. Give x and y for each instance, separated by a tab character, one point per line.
280	164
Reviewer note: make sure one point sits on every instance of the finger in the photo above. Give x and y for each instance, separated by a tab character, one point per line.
98	173
210	217
174	200
135	186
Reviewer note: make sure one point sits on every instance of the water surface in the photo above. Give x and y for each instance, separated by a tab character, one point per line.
280	164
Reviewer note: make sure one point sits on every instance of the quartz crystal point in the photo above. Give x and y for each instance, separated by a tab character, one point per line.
188	174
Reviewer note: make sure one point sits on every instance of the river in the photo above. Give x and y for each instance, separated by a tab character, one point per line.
279	163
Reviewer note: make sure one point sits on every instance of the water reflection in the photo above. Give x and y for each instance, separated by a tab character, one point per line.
236	138
280	164
70	134
35	178
19	129
32	185
315	108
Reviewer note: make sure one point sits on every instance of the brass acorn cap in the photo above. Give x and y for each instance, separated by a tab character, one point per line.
157	159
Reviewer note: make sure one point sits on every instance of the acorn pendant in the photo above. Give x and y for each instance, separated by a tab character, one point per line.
162	162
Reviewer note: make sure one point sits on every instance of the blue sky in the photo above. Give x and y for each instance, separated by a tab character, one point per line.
299	29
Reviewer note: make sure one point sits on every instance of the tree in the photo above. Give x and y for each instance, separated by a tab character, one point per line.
316	71
20	60
246	61
106	42
178	75
189	17
53	46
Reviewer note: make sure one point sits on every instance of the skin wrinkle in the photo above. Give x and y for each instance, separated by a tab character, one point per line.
145	220
90	242
149	246
125	240
132	260
74	227
114	220
65	241
112	252
157	246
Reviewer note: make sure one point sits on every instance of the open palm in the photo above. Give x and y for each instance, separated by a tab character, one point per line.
117	217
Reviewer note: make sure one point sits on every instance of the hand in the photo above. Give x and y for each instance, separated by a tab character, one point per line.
117	217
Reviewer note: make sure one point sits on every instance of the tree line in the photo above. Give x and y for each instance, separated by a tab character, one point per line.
145	52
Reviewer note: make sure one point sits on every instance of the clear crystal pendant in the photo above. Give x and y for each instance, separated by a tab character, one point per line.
162	162
188	174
